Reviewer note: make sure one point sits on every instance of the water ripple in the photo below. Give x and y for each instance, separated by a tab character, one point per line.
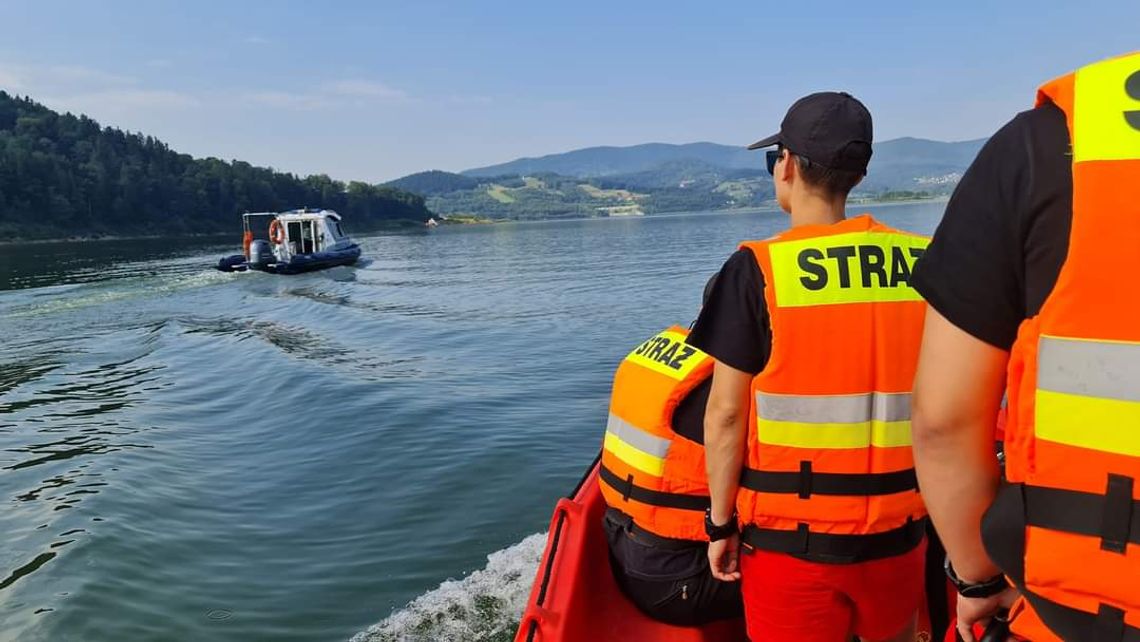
187	454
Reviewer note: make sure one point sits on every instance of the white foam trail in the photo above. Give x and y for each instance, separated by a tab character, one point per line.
117	290
482	607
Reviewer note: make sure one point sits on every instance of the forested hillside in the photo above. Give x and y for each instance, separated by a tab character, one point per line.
434	182
544	196
65	176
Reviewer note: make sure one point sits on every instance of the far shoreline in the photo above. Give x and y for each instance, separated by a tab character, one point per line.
114	237
462	221
771	206
220	236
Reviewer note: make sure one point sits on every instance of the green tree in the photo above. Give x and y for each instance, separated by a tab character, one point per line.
64	175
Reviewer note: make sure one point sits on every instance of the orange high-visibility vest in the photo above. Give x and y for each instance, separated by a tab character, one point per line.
1066	529
829	470
649	472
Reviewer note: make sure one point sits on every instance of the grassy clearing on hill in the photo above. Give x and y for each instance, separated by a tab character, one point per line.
610	194
500	193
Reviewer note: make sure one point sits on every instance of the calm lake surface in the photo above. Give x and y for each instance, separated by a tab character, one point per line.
192	455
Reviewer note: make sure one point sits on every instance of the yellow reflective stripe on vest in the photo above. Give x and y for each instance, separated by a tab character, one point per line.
1107	425
668	354
639	449
859	267
833	421
881	434
1088	394
1106	110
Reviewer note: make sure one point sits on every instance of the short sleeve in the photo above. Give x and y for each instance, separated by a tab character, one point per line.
973	272
733	324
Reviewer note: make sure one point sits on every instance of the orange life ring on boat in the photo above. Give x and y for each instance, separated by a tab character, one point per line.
276	232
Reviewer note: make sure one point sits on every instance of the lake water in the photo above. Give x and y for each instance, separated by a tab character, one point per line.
192	455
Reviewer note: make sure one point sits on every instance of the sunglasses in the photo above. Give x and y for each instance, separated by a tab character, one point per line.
773	156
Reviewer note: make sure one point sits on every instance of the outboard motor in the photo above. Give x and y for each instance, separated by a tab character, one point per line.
260	254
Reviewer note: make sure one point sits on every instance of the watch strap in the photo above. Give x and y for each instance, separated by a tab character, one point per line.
717	532
988	588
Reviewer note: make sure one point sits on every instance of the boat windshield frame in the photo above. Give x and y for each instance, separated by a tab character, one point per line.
246	216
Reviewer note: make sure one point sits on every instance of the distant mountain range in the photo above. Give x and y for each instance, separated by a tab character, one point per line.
605	161
901	163
598	181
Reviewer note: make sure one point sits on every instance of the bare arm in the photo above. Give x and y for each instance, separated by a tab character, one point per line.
957	394
726	425
726	431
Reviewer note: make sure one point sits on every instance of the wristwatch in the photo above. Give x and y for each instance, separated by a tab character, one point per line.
988	588
722	531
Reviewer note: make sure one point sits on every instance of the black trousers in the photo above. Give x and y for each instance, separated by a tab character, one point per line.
668	579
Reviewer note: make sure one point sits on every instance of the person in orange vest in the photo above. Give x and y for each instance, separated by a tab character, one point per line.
653	479
815	334
1031	281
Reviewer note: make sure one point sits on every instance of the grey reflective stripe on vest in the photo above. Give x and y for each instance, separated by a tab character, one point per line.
1107	370
636	437
837	409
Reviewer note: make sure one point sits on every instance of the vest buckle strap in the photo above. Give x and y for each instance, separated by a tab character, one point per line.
1113	517
803	536
842	549
632	492
806	482
1116	518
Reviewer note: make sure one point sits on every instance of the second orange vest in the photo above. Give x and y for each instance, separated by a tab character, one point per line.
829	470
648	471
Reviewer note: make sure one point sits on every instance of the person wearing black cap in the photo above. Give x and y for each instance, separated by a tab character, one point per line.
815	334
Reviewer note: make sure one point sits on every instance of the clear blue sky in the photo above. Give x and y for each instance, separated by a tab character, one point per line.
374	90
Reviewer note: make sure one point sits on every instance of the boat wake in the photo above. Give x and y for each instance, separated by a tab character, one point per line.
123	290
485	606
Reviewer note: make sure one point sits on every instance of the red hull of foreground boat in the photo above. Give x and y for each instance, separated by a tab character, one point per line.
575	599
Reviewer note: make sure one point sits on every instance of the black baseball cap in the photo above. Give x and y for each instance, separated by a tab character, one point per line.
830	128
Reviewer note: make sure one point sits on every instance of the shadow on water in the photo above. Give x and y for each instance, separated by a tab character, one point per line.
296	341
417	309
300	343
322	297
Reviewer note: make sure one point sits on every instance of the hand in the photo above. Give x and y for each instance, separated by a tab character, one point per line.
977	609
724	559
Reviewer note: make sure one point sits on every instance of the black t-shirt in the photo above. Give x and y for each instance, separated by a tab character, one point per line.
689	417
733	326
999	248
